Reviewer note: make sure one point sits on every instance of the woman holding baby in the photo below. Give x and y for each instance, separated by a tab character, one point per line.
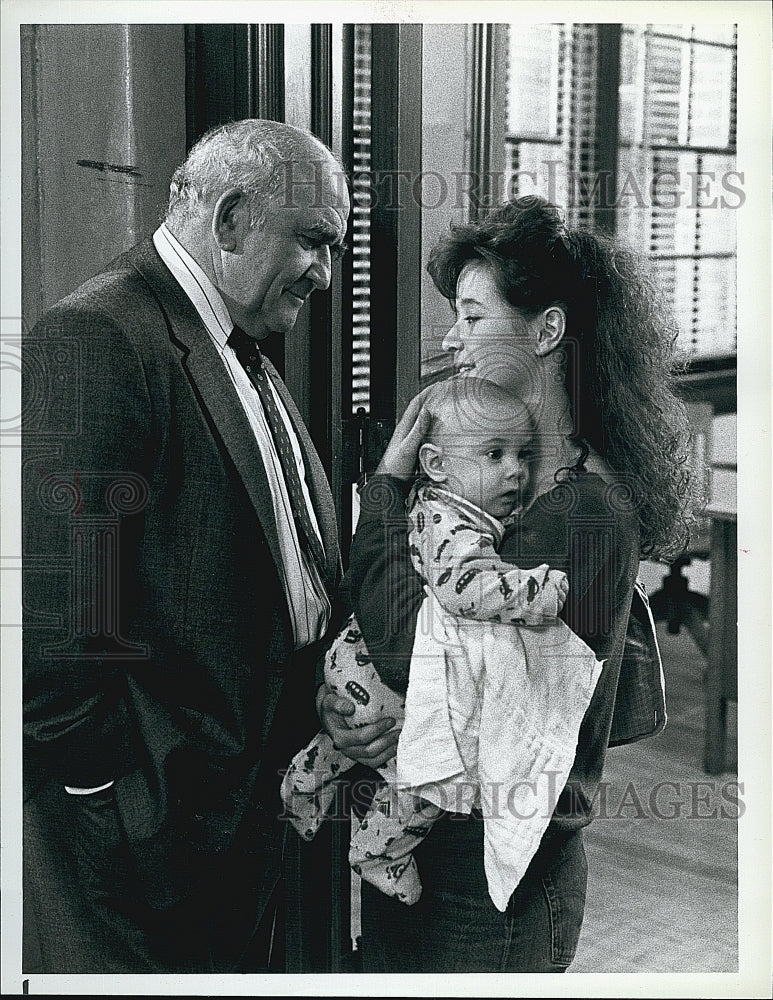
565	323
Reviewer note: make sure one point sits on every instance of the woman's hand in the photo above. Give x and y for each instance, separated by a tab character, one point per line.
401	455
373	744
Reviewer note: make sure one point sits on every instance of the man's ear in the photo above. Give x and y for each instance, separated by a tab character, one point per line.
551	327
431	462
231	220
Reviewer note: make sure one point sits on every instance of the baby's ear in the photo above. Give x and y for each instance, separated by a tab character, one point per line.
431	462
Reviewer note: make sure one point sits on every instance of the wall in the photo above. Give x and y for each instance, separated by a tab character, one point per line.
103	127
445	85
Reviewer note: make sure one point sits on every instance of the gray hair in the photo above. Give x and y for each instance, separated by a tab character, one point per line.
252	155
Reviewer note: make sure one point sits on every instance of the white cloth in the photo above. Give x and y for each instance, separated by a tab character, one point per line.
307	599
492	715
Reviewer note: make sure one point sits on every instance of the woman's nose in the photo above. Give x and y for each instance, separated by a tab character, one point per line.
452	341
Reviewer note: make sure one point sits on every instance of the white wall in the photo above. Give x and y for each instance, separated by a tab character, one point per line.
445	90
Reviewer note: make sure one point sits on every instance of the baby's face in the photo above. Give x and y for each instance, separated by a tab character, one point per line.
488	469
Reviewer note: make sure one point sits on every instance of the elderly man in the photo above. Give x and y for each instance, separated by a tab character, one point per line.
180	554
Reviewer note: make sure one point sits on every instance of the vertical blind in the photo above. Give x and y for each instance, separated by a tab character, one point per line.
536	111
361	220
675	190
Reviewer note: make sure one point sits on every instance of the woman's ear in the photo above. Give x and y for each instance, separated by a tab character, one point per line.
431	462
551	328
230	220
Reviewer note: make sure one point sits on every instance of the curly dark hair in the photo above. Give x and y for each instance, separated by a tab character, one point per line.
620	349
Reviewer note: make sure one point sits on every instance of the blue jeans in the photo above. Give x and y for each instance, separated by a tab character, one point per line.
456	928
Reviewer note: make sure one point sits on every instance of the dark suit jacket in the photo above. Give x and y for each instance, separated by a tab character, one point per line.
156	634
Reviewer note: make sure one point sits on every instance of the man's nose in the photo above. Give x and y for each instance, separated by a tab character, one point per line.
321	270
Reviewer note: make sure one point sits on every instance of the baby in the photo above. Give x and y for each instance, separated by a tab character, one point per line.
475	465
475	478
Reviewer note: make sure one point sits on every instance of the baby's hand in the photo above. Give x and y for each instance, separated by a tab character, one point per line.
548	596
560	581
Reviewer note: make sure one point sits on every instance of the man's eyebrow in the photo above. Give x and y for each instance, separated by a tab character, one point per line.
324	231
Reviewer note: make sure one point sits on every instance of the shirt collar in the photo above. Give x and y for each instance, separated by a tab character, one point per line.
204	296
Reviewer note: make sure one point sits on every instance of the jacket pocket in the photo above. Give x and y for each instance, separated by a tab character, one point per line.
102	856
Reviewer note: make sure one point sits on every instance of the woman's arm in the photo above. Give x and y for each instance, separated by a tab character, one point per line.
383	586
587	529
385	593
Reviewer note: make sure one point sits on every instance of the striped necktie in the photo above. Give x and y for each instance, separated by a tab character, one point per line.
249	356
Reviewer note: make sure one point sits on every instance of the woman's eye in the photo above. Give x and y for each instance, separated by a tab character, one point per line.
495	454
470	320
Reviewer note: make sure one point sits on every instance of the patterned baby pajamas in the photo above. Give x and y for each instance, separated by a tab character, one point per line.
381	847
453	546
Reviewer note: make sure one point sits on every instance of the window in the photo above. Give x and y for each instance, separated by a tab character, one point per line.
550	144
670	150
676	162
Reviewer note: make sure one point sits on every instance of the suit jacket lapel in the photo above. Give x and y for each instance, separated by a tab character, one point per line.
218	397
213	388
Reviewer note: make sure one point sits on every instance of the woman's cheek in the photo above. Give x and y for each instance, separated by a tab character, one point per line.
515	370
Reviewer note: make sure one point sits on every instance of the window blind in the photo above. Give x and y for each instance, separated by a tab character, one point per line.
677	189
361	219
536	112
551	116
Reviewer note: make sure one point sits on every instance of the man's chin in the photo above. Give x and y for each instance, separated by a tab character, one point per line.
276	325
284	319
